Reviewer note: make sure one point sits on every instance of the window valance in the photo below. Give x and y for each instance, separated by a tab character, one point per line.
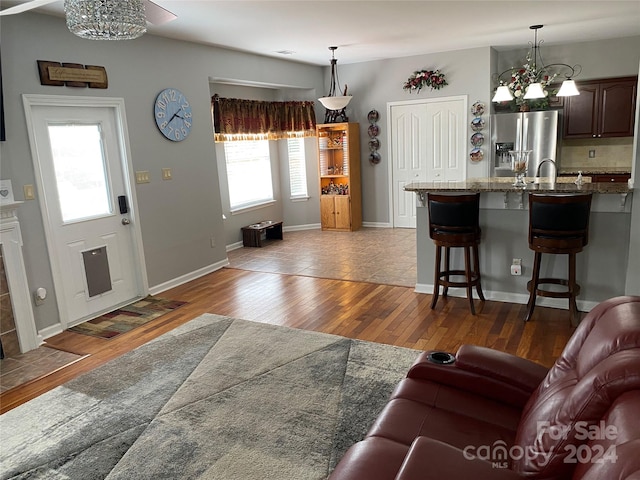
236	119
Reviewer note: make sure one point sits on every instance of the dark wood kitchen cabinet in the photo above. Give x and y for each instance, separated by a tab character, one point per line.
605	108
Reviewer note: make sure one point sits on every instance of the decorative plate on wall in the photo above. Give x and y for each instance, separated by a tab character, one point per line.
477	139
373	131
477	124
476	155
373	116
374	157
374	144
477	109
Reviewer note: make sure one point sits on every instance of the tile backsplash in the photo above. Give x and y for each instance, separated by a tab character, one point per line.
609	152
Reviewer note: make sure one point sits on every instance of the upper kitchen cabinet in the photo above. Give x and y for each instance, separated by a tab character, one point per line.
604	108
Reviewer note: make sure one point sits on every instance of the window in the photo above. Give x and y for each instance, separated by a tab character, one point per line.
79	167
297	168
248	173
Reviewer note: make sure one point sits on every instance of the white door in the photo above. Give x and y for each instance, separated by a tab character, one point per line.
408	154
428	140
80	154
446	138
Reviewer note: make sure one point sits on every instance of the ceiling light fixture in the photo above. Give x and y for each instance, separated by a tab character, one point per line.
335	104
530	81
106	19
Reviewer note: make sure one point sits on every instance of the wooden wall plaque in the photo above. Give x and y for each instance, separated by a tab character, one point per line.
72	75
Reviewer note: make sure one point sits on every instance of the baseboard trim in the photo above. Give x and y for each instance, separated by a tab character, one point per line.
377	225
299	228
511	297
188	277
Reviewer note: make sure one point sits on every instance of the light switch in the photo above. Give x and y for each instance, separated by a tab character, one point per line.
29	192
166	174
142	176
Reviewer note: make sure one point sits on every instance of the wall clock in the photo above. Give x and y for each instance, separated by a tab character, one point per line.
172	112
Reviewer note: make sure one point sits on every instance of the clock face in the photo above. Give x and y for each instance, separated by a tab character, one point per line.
172	112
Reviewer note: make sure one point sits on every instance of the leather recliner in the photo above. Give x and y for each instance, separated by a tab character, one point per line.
492	415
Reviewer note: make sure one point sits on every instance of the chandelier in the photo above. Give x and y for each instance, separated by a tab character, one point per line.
106	19
335	105
530	81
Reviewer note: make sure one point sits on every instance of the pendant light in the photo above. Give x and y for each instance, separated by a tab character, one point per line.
536	76
106	19
335	104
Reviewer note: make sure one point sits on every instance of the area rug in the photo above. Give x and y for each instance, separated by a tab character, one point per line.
127	318
217	398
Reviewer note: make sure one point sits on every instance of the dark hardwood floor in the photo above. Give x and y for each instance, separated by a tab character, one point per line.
382	313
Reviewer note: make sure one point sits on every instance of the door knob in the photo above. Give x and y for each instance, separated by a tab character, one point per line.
126	221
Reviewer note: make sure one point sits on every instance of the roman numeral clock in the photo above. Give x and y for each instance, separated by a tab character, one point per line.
172	112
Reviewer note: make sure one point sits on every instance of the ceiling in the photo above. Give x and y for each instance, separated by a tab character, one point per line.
379	29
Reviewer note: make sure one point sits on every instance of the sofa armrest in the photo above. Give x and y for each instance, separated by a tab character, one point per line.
484	371
429	459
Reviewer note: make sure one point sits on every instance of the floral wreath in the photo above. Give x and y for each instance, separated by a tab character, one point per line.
425	78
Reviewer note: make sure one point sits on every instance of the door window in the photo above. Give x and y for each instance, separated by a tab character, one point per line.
81	175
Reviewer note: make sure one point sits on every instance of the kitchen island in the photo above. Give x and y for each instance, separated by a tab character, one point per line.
504	220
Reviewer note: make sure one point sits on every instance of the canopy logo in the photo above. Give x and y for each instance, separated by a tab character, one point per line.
500	455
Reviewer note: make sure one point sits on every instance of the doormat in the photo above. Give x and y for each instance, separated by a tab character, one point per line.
127	318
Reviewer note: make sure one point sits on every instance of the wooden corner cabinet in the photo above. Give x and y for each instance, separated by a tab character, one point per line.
604	108
339	163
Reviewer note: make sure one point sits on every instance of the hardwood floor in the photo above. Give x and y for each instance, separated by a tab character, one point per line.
382	313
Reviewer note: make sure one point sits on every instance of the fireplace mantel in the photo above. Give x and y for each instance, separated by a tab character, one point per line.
11	241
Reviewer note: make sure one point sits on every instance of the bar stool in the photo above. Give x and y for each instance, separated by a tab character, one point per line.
558	224
453	222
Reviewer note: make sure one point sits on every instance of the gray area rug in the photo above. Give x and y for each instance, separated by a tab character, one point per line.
217	398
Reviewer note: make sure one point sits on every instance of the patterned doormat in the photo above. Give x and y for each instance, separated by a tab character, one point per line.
127	318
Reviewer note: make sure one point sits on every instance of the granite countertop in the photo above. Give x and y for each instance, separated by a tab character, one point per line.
595	170
504	184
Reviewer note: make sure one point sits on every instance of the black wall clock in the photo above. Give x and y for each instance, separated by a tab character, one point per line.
172	112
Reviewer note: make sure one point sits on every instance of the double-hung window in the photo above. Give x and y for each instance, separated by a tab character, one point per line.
297	168
248	173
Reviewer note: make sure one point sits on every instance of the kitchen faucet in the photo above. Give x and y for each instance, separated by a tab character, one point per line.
555	168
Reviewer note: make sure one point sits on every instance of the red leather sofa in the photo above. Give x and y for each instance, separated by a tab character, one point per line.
491	415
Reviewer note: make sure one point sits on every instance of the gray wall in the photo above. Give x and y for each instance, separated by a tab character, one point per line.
178	217
374	84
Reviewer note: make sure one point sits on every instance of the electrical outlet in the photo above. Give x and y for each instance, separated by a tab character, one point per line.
516	270
592	153
516	261
213	242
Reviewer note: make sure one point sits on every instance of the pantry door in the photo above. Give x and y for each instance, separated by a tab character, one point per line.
81	160
427	144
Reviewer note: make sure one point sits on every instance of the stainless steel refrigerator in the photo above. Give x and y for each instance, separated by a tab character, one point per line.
536	131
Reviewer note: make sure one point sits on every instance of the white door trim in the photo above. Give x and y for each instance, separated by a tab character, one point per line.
389	139
117	105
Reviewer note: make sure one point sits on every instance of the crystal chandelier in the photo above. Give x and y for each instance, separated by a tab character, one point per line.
106	19
335	105
534	76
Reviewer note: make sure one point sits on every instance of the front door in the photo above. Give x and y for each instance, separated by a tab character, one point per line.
80	154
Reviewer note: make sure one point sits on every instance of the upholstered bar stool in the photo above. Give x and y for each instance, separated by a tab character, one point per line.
453	222
558	224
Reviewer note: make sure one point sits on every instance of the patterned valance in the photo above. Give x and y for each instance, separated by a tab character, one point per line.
235	119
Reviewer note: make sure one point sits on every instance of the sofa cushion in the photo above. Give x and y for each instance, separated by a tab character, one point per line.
614	450
600	363
373	458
